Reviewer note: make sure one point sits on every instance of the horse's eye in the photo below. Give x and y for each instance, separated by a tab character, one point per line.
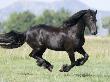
91	17
94	20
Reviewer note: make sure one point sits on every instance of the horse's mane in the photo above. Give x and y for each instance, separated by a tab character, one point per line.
74	18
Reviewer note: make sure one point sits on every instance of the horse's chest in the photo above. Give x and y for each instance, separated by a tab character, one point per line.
74	42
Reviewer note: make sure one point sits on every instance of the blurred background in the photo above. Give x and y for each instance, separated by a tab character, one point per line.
19	15
22	14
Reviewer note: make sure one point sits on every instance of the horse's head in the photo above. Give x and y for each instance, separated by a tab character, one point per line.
90	20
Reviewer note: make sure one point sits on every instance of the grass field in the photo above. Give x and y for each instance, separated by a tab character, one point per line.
17	66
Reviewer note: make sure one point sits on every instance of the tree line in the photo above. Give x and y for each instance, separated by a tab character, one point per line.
24	20
106	23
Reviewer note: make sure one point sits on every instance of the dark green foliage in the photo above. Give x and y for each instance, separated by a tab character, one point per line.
51	17
19	21
106	22
24	20
1	27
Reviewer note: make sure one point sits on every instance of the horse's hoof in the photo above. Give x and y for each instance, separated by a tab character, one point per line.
50	68
79	62
61	70
65	68
39	64
46	66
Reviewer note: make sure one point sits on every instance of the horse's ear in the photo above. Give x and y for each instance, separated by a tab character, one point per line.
96	12
88	10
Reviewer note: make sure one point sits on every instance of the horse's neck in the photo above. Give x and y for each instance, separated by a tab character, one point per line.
79	28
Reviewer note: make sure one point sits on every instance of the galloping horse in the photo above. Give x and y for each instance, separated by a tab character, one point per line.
69	38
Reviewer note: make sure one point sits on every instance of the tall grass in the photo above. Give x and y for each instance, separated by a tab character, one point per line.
17	66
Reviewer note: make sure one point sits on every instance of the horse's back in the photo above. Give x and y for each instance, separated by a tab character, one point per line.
48	36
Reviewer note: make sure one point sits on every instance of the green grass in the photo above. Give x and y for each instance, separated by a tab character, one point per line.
17	66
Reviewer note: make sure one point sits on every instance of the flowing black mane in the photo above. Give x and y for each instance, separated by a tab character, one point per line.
74	18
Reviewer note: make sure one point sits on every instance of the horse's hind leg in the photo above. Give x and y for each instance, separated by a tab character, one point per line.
81	61
37	54
66	67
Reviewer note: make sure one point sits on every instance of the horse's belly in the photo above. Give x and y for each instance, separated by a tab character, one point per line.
56	49
55	44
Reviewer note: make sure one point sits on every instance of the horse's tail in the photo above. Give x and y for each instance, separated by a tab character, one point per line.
12	39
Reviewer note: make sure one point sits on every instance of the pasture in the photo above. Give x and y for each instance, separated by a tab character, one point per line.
17	66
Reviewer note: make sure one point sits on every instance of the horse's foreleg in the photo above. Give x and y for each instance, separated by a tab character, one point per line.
66	67
37	54
81	61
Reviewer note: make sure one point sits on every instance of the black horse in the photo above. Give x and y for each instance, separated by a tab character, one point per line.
69	38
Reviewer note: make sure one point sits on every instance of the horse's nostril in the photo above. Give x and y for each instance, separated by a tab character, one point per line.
94	33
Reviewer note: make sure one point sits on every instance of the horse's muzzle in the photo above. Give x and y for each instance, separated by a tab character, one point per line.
94	33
